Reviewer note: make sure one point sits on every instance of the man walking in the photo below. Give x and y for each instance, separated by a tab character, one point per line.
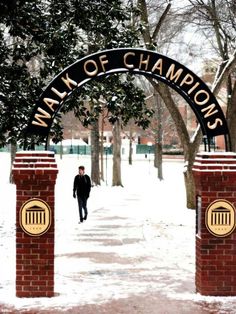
81	188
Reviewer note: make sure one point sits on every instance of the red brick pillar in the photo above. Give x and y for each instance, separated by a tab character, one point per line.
215	178
34	174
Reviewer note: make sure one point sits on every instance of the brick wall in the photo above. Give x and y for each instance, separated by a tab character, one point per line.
34	174
215	177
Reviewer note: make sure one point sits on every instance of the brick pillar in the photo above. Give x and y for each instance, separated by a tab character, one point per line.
215	178
34	174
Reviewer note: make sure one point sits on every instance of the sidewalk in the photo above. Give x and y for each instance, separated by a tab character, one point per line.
134	254
117	269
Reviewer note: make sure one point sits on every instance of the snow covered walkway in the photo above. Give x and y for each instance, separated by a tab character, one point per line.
134	254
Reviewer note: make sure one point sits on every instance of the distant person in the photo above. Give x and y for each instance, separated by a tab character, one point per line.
81	189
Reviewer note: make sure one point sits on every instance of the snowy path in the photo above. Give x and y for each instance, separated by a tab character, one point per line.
134	254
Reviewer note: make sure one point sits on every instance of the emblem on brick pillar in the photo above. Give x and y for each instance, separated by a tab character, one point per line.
35	217
220	218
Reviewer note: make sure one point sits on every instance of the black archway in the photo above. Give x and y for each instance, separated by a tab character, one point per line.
137	61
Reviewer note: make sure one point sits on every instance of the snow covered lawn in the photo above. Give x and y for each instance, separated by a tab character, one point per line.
138	240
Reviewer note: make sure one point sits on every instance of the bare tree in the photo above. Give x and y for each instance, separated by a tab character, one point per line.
159	136
130	144
103	119
129	134
190	145
95	153
116	132
216	20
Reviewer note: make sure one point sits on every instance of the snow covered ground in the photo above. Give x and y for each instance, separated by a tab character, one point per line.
138	241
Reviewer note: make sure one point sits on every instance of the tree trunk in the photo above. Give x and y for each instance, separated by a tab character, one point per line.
231	118
189	180
102	150
158	157
189	188
159	136
130	145
189	157
116	178
95	177
130	151
155	155
102	161
13	150
61	150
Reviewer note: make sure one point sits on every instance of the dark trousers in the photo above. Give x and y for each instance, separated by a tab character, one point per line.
82	202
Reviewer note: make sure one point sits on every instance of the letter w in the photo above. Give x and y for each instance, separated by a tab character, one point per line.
44	115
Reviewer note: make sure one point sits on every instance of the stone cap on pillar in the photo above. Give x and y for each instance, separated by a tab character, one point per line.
35	160
215	161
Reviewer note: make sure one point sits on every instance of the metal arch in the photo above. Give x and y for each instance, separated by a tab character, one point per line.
137	61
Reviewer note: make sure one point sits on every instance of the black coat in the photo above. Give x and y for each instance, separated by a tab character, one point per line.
82	185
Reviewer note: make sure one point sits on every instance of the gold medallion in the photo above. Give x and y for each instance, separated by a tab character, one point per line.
220	218
35	217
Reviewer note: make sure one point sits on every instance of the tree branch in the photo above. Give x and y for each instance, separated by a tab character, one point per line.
217	28
229	66
144	19
160	22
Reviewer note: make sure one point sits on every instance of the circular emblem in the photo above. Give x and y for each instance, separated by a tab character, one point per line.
35	217
220	218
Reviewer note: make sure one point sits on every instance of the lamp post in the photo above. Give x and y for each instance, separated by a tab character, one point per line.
106	145
149	144
71	147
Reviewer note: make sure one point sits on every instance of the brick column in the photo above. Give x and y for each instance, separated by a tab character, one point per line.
215	178
34	174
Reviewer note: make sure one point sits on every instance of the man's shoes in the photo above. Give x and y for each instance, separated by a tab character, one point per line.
85	217
80	222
